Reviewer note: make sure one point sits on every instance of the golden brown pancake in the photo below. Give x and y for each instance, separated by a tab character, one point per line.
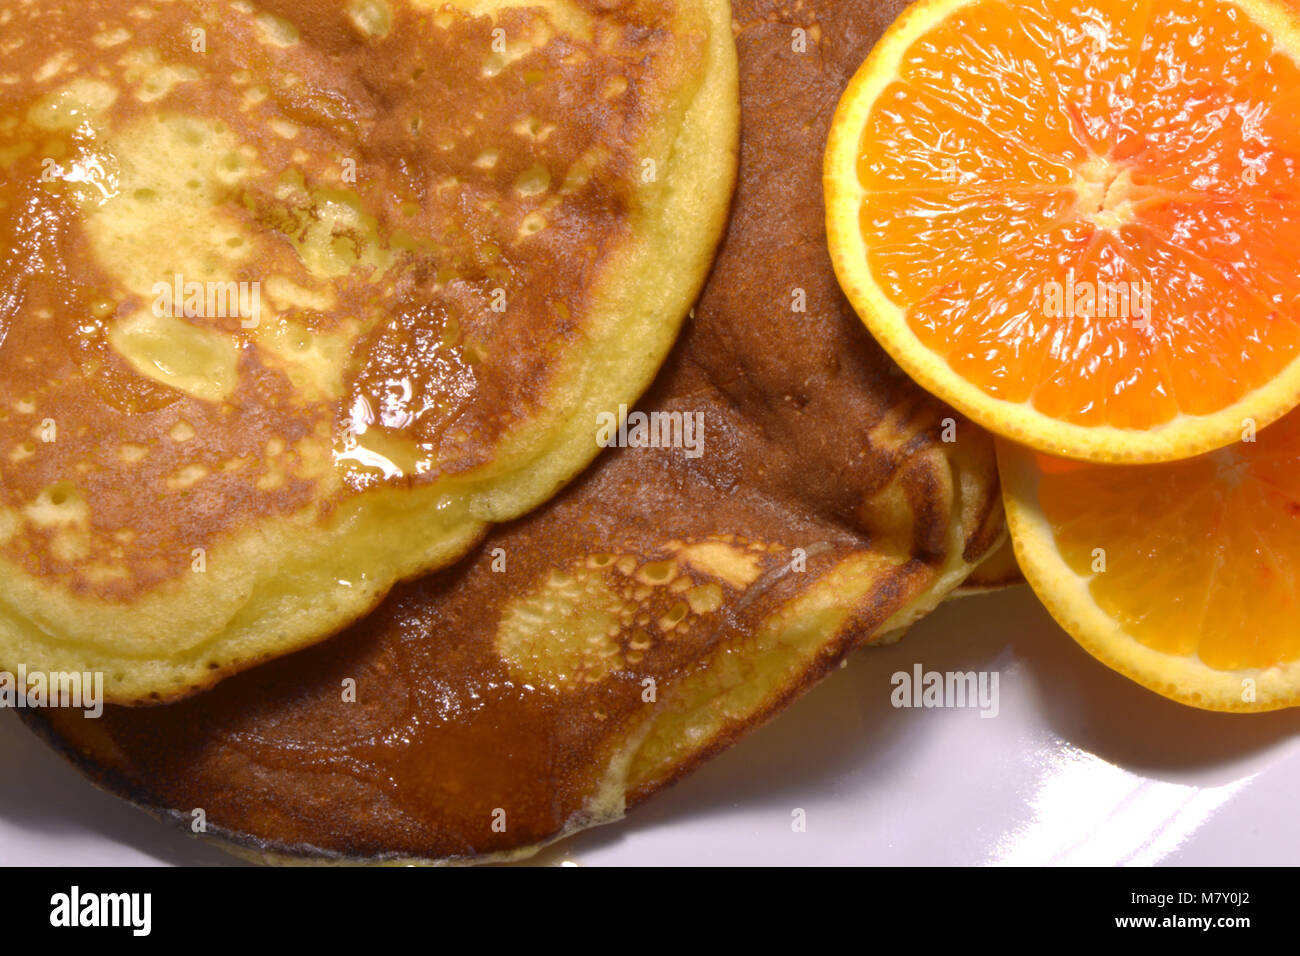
660	608
298	297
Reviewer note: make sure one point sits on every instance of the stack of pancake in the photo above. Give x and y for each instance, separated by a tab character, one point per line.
368	554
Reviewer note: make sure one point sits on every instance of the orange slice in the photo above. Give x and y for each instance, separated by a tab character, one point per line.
1077	221
1185	576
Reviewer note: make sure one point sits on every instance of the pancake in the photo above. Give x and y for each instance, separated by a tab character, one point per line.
663	606
999	570
299	298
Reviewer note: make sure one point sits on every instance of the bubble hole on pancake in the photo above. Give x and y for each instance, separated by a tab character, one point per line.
300	297
660	608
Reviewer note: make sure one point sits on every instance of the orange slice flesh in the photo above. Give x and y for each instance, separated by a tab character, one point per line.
1185	576
1078	222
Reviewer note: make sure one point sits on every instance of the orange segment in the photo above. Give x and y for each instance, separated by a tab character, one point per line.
994	70
1143	156
1197	55
1214	230
989	325
1224	334
1185	576
1092	49
1222	139
917	141
920	241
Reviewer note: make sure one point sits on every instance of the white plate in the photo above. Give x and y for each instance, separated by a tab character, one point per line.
1078	767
